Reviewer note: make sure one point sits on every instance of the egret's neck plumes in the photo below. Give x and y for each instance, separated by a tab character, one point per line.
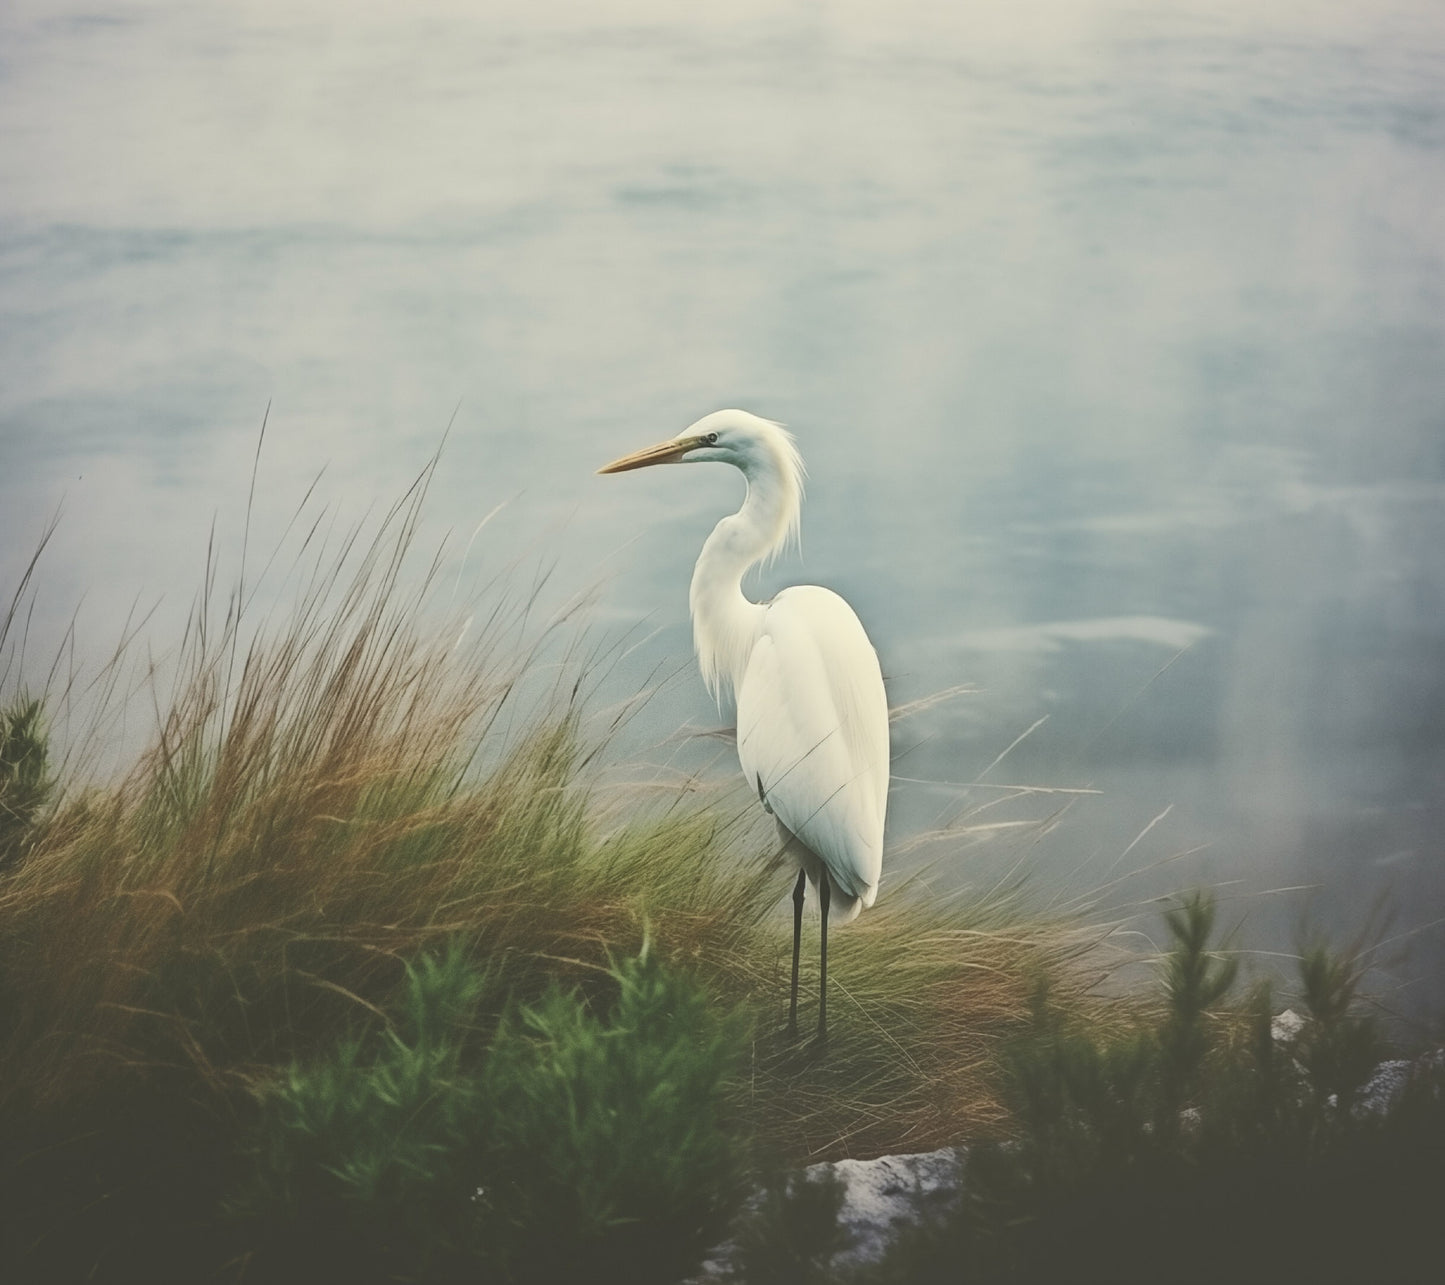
724	623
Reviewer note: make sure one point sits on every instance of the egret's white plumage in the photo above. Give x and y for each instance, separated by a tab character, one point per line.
812	718
813	738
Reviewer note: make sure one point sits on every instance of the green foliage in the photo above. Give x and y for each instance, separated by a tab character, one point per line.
363	1160
1087	1101
1197	1148
25	780
1337	1046
611	1149
791	1233
1083	1102
1195	980
566	1143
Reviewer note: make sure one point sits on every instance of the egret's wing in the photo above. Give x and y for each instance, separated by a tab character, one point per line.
813	732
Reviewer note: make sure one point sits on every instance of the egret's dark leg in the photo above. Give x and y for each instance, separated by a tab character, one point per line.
797	939
823	898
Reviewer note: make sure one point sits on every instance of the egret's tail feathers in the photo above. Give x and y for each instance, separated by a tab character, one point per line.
843	909
846	900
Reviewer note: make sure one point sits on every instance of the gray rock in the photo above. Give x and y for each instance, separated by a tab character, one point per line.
1382	1090
1285	1027
886	1194
880	1198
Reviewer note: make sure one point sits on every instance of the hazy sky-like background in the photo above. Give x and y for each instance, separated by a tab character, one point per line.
1111	333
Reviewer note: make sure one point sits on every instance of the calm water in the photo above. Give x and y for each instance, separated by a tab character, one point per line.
1113	334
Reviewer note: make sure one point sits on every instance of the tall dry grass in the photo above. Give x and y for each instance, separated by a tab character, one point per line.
326	795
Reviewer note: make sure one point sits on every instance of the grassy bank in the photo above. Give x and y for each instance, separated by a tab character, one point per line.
210	960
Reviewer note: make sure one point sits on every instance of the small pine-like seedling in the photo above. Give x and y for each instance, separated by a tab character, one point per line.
25	781
1196	979
1338	1047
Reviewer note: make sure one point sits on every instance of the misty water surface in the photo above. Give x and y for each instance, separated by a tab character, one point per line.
1111	333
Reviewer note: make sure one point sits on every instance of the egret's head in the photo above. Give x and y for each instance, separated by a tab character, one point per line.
734	437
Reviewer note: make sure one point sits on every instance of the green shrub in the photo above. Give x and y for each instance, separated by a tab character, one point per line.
1196	1149
1195	981
1338	1046
359	1162
611	1149
567	1143
25	780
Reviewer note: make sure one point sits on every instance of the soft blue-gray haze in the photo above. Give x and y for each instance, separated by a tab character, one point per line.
1113	335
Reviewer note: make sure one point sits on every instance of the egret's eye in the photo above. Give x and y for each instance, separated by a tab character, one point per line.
712	437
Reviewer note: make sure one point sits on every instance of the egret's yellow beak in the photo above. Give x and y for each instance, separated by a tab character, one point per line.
668	452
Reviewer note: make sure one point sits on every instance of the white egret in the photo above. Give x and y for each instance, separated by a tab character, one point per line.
812	719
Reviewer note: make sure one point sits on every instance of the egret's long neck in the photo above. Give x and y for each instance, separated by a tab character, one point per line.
724	623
